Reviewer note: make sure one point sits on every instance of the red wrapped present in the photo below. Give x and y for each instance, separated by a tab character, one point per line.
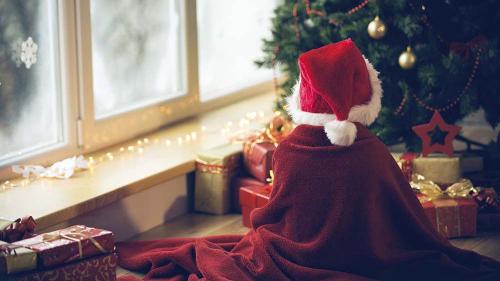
102	268
258	157
237	184
451	217
252	197
69	244
15	230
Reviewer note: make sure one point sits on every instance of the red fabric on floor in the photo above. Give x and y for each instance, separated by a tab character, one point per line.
335	213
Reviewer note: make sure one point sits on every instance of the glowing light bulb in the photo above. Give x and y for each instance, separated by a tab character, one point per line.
131	148
122	149
168	142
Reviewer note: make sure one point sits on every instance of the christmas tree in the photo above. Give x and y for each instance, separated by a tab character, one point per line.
432	55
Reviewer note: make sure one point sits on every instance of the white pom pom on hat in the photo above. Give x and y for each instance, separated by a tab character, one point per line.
337	86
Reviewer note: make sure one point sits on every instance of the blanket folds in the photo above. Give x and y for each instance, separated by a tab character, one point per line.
335	213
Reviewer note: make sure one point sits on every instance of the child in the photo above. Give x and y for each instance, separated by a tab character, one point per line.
340	208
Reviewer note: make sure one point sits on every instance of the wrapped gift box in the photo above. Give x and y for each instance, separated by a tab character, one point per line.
16	259
252	197
258	158
69	244
438	168
237	184
101	268
214	170
451	217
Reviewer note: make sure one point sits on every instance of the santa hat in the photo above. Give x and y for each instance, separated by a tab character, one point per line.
337	86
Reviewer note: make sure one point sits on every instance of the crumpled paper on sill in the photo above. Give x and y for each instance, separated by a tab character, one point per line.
63	169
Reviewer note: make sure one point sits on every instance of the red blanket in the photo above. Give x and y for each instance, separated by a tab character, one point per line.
335	213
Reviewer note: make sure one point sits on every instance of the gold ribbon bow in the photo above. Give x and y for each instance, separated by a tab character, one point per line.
75	235
275	131
278	128
271	178
432	191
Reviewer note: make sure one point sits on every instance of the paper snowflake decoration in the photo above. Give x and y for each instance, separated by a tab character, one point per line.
29	51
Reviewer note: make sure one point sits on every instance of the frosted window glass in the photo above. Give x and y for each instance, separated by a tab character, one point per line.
30	98
230	37
137	53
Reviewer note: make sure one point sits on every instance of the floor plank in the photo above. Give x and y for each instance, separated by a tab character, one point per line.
199	225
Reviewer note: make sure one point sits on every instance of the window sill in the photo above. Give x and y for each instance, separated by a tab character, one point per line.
51	201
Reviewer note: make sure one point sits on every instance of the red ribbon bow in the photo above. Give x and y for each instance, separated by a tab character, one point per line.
463	49
18	230
9	249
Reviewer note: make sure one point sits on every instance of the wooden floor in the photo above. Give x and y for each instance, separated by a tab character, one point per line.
197	225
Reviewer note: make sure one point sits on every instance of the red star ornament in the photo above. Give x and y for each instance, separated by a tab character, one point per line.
423	132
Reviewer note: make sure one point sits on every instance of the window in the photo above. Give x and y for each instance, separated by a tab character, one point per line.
74	74
137	53
31	115
230	37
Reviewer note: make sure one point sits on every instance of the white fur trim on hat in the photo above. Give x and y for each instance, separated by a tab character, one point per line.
364	114
341	132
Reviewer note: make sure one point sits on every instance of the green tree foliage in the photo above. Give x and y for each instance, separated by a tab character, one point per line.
439	75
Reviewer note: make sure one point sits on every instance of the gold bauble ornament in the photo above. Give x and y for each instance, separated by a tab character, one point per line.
407	59
377	28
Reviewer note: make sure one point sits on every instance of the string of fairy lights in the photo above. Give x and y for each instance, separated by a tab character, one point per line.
252	122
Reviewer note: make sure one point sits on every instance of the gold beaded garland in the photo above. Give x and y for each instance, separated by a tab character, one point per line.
376	28
407	59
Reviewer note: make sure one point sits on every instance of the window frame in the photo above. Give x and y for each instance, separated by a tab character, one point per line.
83	132
66	83
100	133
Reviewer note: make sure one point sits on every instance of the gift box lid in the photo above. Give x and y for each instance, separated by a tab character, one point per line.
446	202
255	152
252	195
220	155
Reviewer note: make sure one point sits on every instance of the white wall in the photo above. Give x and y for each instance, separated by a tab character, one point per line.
138	212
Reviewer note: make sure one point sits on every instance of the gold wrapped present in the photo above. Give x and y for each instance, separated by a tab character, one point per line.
214	170
437	168
14	258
